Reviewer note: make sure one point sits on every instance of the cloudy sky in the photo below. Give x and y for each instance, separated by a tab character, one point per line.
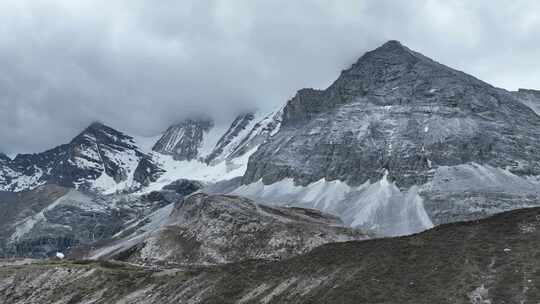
139	65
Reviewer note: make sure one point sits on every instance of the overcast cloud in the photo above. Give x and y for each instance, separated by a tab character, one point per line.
140	65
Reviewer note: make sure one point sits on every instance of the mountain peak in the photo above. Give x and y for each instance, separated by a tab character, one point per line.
184	140
392	44
391	52
99	127
100	132
395	64
96	126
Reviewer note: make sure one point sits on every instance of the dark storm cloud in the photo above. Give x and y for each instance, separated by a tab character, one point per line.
140	65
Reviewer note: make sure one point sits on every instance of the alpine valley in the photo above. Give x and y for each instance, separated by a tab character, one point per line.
332	198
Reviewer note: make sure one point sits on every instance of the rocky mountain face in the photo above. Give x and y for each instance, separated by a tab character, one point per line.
184	140
18	206
6	173
459	144
216	229
226	143
98	158
81	193
246	133
261	131
530	98
489	261
49	219
207	142
381	113
4	158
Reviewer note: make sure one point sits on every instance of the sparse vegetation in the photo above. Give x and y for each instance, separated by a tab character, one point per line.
497	260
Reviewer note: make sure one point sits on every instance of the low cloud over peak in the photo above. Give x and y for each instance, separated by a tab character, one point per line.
142	65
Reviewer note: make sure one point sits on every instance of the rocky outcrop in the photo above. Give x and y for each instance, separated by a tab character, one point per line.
228	142
246	134
184	187
147	171
4	159
530	98
184	140
488	261
261	131
216	229
204	141
399	113
6	172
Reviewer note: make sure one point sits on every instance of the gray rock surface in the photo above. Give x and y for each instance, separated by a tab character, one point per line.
4	158
239	143
38	223
530	98
400	112
184	187
216	229
184	140
239	125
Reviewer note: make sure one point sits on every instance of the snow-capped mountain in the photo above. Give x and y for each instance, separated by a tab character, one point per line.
397	144
204	141
105	160
220	152
245	134
242	140
98	158
186	140
400	142
229	141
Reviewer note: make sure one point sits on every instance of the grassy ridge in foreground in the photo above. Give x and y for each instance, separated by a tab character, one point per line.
497	260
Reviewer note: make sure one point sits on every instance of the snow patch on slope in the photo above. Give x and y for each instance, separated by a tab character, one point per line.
254	134
233	141
535	106
127	161
22	182
197	170
210	140
230	163
146	143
